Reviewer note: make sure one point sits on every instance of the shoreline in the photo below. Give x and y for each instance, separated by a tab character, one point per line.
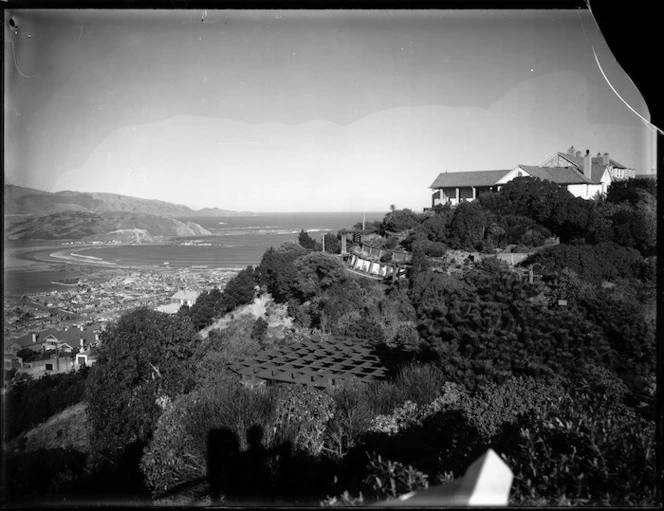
48	258
57	255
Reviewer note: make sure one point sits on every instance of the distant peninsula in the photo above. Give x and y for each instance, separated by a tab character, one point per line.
32	214
30	201
114	226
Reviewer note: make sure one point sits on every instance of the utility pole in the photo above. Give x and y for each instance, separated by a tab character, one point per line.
322	238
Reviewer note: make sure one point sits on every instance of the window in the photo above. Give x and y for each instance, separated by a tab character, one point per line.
49	367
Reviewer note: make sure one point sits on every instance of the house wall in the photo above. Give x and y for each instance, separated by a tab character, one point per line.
619	174
38	368
586	191
466	193
512	174
448	195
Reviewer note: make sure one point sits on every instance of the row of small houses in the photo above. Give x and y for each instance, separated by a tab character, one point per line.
56	351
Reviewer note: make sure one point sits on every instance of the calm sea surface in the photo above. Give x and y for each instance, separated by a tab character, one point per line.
236	242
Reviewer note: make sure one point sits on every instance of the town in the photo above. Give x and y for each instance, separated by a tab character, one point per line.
88	305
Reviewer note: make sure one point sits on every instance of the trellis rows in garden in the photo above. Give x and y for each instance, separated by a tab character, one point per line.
315	363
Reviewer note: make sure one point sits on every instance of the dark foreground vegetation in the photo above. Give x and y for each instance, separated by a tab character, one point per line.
555	373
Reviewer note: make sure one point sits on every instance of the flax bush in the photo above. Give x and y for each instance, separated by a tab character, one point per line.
388	479
301	417
178	451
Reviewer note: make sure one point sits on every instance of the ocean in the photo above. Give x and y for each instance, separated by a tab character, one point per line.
236	242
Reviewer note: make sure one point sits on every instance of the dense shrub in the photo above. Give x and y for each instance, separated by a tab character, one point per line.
179	450
387	479
504	328
351	418
631	190
144	357
586	449
277	273
420	384
605	261
630	335
259	330
400	220
498	404
301	417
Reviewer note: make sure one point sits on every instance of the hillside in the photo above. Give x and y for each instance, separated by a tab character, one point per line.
29	201
76	225
67	428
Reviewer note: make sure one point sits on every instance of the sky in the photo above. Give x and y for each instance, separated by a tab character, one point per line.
276	111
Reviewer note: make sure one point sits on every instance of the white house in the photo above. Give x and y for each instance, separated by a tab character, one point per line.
584	176
182	297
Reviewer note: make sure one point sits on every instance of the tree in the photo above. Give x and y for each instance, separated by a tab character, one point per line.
400	220
332	244
549	204
436	227
501	327
305	240
142	358
239	290
206	308
316	272
631	191
277	272
27	354
259	330
468	226
593	263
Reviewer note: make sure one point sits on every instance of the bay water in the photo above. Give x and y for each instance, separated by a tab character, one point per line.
235	243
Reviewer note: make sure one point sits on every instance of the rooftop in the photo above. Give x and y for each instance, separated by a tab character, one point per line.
470	178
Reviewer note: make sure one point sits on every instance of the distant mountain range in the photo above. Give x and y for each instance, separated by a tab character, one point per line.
29	201
38	215
109	226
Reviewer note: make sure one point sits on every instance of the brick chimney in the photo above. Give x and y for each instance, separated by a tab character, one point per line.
34	337
605	159
587	164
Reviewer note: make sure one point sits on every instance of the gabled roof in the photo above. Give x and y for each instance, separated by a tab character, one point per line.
71	336
597	171
185	295
471	178
559	175
578	160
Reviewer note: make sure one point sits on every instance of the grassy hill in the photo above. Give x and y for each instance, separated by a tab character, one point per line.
65	429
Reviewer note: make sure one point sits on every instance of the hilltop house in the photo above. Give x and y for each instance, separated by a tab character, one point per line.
182	297
601	162
57	351
185	297
584	176
64	340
